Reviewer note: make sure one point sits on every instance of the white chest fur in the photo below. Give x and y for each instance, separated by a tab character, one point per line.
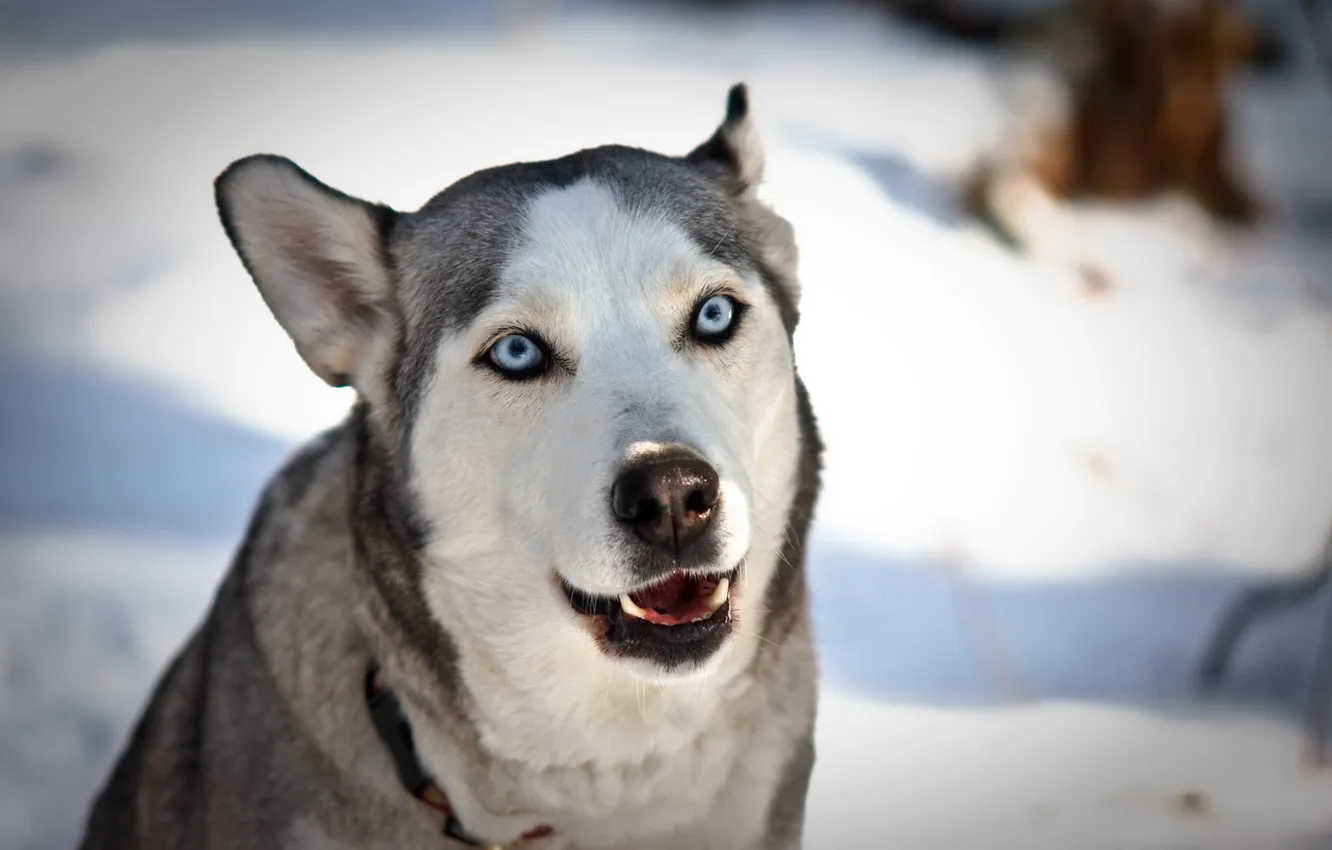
635	766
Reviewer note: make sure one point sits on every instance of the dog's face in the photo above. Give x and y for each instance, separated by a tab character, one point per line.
585	368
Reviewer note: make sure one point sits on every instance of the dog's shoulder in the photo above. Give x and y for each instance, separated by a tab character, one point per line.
193	751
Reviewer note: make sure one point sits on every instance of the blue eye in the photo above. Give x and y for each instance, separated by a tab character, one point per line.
517	356
716	318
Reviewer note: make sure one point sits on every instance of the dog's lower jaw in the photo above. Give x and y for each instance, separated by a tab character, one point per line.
693	675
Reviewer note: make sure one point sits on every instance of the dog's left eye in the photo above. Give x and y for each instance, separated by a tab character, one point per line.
518	356
715	318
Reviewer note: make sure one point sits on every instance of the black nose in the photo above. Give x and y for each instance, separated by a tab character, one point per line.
668	501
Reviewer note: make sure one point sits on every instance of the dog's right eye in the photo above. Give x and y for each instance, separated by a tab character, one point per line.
517	356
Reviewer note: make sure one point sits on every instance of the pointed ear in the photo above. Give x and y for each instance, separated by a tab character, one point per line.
318	258
735	147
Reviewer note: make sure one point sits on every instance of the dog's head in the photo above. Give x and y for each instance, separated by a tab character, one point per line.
584	366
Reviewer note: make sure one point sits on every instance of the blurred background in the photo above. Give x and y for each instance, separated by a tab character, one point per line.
1067	274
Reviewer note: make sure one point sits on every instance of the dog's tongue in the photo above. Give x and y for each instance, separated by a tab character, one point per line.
679	599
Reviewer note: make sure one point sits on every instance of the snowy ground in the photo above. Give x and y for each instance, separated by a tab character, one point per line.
1030	488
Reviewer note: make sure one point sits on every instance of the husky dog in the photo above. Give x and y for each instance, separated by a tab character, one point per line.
544	587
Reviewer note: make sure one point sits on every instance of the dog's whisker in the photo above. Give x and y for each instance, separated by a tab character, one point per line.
754	636
712	252
781	555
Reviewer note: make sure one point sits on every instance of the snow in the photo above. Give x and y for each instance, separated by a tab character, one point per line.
959	775
1038	496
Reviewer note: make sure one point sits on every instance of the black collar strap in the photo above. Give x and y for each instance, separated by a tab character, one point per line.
396	734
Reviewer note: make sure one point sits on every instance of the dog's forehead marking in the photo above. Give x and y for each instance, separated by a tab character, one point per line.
587	244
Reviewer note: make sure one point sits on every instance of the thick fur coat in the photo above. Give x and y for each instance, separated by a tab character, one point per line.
455	531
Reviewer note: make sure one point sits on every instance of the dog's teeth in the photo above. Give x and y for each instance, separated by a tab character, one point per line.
719	594
632	609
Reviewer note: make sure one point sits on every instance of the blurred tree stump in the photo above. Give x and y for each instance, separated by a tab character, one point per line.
1146	108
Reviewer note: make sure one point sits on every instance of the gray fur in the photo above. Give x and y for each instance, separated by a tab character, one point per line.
257	735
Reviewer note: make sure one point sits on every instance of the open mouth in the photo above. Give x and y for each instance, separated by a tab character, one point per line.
678	620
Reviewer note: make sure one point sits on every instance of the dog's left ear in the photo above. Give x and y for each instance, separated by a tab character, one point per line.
735	148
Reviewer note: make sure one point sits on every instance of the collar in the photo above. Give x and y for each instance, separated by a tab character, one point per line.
396	733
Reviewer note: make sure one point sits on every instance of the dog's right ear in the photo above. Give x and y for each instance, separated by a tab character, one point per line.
318	258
